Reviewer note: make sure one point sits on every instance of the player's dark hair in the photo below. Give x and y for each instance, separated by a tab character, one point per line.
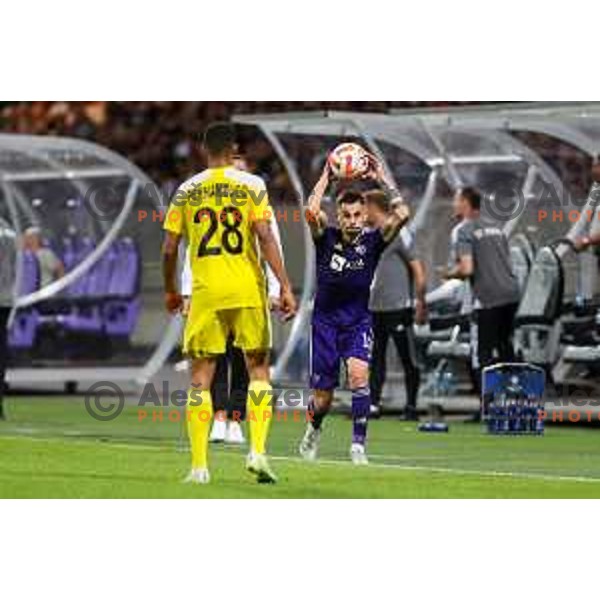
219	138
472	196
350	197
379	199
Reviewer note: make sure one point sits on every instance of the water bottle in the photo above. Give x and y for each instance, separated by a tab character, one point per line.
432	427
512	416
540	426
533	415
525	416
518	416
503	428
447	383
492	422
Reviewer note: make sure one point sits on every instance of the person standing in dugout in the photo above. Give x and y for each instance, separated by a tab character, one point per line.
397	302
481	255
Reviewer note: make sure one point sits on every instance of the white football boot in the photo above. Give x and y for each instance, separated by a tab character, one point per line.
218	432
309	446
358	455
234	435
198	477
183	366
258	465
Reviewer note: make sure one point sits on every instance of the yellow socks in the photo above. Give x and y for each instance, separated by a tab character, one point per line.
199	417
260	414
200	414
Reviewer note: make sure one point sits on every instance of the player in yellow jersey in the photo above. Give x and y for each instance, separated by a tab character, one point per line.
224	215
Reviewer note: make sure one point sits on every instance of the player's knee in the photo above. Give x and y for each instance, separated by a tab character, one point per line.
258	365
358	374
359	379
323	399
259	374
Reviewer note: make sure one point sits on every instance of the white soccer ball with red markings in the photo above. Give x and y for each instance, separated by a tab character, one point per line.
348	161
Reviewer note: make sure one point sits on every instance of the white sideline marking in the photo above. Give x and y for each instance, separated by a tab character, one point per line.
334	462
447	470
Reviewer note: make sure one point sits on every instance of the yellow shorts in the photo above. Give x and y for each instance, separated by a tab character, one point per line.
208	330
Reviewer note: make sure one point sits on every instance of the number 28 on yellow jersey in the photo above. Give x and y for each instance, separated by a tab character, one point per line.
214	211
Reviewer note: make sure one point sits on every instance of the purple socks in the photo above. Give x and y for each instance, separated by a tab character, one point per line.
361	405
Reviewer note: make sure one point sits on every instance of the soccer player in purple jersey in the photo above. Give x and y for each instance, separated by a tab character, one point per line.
347	256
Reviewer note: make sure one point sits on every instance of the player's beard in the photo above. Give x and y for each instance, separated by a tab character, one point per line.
352	233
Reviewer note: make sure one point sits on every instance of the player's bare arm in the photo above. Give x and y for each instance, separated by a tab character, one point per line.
271	253
398	218
315	217
170	252
400	213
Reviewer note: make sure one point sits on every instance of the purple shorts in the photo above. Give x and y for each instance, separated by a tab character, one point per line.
331	344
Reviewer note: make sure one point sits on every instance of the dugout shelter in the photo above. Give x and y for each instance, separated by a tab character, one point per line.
97	316
103	319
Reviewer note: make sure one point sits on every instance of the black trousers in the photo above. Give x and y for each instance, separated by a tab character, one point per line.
496	327
230	394
4	314
399	326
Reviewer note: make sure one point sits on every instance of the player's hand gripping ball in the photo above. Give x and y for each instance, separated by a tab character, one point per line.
349	161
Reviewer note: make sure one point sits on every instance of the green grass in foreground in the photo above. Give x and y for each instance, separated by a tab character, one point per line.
51	448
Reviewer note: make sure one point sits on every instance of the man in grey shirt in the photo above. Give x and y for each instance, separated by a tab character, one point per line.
397	299
481	254
7	284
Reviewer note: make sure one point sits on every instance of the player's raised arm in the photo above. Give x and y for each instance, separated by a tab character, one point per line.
315	217
400	213
399	216
272	255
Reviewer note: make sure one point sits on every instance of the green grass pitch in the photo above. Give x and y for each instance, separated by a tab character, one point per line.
51	448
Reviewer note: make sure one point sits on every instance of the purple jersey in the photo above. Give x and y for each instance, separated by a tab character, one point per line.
345	272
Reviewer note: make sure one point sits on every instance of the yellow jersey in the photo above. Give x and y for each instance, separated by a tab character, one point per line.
214	212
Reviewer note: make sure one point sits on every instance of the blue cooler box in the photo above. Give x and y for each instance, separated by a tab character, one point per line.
513	400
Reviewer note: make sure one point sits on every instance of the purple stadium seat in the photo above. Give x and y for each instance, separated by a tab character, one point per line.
122	310
106	298
68	254
83	316
22	333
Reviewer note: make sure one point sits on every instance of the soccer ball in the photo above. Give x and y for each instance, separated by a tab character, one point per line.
348	161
